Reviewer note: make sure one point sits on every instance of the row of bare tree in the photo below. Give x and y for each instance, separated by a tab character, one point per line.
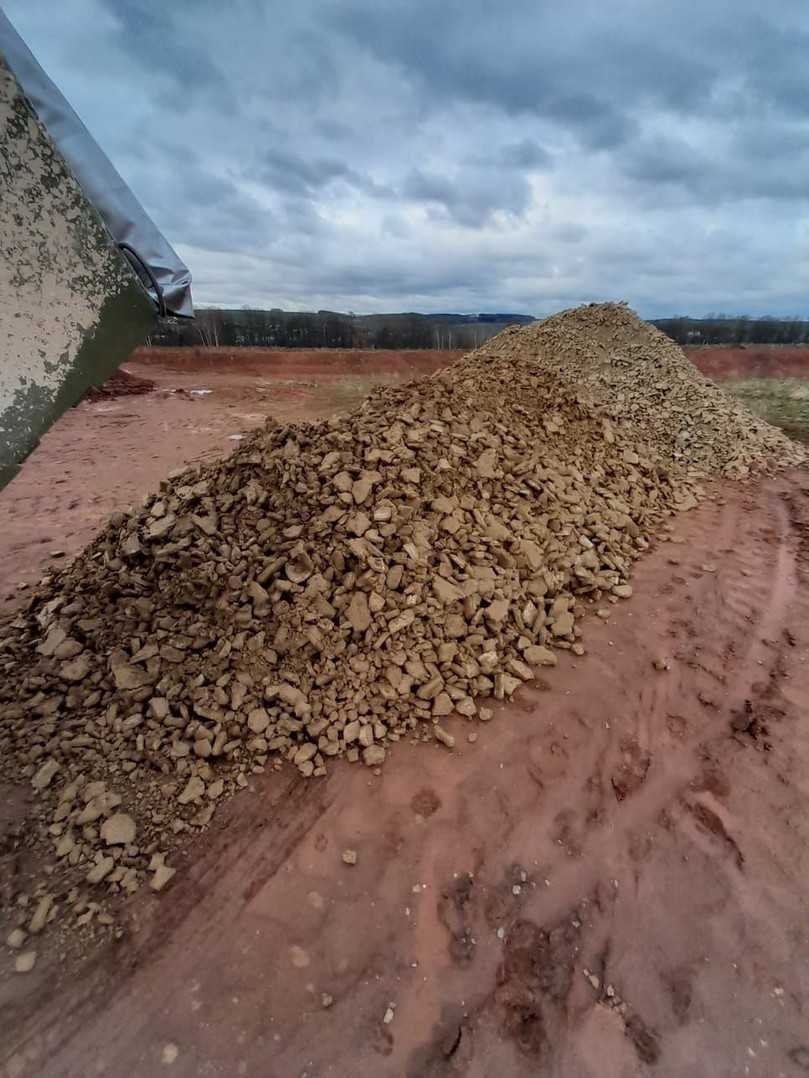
250	327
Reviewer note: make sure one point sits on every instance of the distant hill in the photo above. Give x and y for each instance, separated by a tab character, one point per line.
247	327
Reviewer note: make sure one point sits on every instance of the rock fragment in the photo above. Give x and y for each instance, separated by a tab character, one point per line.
40	915
299	957
258	720
563	625
130	677
359	615
16	939
162	875
25	962
373	755
100	870
76	670
118	830
45	774
537	655
445	738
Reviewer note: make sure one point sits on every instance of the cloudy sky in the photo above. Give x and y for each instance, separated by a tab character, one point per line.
456	155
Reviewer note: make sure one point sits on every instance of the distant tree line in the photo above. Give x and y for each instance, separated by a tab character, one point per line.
734	329
249	327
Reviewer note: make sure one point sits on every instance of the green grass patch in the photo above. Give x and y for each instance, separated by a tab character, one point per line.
781	401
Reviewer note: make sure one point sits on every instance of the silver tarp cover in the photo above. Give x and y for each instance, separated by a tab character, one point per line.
123	215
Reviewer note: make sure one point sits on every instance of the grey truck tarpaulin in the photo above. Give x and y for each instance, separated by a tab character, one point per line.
165	277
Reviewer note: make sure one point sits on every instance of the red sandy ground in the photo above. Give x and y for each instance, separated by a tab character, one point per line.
743	361
611	819
752	361
320	363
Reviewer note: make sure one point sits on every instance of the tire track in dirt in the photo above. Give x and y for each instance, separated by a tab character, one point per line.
673	845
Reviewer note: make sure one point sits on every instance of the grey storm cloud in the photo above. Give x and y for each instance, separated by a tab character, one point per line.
303	175
404	154
471	196
525	154
147	32
712	175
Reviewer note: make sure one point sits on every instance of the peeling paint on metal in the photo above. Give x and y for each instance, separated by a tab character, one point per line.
70	307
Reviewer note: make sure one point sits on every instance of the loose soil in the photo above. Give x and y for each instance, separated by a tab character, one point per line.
120	384
610	820
642	825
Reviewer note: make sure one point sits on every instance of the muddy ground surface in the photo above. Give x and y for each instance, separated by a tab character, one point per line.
610	881
649	827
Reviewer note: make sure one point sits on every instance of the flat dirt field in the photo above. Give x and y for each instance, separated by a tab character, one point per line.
609	882
751	361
